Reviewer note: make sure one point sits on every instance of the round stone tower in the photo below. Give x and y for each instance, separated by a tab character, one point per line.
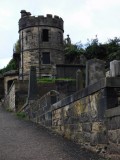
41	41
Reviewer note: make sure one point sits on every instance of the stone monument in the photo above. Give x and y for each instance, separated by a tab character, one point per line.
95	70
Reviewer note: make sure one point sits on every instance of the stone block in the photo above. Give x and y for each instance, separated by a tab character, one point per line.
95	70
114	157
101	107
113	123
72	120
78	127
79	137
79	80
86	127
79	108
112	102
114	148
98	138
98	127
48	123
115	68
85	117
87	137
32	90
112	136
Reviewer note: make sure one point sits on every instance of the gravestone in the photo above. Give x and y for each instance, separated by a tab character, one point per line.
79	80
83	60
95	70
115	68
32	88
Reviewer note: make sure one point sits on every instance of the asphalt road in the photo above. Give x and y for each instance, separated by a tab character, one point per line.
24	140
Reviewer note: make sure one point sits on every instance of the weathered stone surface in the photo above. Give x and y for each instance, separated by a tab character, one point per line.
98	138
118	136
33	89
79	80
85	117
113	148
95	70
113	123
112	136
87	137
86	127
98	127
112	112
115	68
33	45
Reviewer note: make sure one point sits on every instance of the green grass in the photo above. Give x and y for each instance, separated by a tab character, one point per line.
53	80
21	115
45	80
9	110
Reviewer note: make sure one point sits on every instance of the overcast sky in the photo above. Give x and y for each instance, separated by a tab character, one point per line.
83	19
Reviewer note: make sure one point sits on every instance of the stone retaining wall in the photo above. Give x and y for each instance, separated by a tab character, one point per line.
113	128
16	96
82	117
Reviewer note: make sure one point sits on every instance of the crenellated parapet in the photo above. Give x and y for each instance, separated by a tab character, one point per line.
27	21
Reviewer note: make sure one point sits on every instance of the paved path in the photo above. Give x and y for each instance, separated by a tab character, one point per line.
24	140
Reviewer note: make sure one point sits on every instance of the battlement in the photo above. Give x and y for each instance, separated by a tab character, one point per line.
27	21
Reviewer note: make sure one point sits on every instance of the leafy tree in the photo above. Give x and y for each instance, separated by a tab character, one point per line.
10	66
73	52
107	51
17	47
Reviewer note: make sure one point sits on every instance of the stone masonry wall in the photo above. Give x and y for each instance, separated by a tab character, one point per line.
39	110
80	121
33	46
16	96
82	117
113	128
9	99
1	87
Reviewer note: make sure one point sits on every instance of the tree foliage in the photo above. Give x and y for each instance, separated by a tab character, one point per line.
93	49
11	66
17	47
73	52
12	63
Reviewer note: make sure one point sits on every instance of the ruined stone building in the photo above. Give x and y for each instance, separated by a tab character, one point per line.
41	41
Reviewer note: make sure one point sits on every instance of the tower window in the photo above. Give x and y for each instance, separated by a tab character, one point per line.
46	58
45	37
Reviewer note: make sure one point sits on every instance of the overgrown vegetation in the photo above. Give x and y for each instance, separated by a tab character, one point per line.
53	80
21	115
73	52
12	63
17	47
9	110
107	51
11	66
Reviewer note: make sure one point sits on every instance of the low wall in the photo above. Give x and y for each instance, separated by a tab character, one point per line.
39	110
16	96
9	99
81	117
1	87
113	128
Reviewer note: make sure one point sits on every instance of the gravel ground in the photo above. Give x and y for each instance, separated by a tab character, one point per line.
24	140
